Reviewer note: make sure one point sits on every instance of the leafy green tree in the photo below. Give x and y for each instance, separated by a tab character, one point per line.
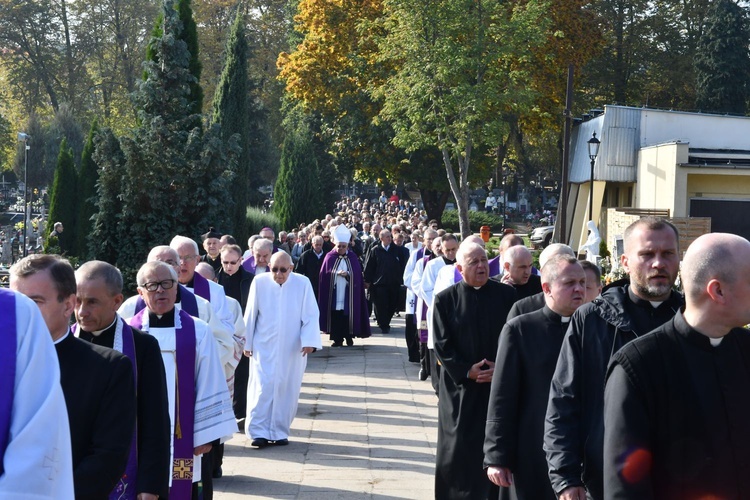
64	199
87	179
231	110
296	195
460	66
722	60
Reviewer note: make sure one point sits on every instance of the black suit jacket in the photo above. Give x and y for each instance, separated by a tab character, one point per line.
154	440
245	279
100	396
309	264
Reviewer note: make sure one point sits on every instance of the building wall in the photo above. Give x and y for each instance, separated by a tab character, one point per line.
721	184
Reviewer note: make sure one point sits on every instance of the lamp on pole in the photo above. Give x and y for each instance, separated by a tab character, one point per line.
593	152
22	136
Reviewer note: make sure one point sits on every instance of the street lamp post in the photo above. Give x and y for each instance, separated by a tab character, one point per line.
593	153
22	136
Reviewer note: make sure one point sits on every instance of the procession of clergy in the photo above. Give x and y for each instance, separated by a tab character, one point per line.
547	385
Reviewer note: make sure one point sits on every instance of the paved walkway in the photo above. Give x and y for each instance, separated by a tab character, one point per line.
365	428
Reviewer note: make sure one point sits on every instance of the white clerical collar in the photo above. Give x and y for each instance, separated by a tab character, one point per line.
656	303
62	338
99	332
715	341
260	269
565	319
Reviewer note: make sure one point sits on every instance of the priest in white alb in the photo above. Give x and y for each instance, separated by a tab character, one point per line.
200	409
282	329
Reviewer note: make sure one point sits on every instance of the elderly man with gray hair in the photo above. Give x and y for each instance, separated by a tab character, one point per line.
194	375
467	321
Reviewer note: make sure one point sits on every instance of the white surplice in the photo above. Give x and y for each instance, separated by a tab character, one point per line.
214	417
225	343
280	321
426	292
38	460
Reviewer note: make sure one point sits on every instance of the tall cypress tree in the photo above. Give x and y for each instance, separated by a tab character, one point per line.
87	178
295	194
722	60
188	33
104	241
231	112
64	201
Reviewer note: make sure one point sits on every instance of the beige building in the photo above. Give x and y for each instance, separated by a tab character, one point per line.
689	164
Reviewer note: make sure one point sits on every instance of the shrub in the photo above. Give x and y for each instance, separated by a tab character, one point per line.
257	220
476	220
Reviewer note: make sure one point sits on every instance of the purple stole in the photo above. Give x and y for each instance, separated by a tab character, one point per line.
456	275
423	312
201	287
125	489
494	267
8	351
182	462
187	302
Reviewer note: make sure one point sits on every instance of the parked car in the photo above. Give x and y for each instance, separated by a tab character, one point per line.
541	236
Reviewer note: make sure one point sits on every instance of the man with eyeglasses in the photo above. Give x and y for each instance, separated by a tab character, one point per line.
282	329
199	404
194	305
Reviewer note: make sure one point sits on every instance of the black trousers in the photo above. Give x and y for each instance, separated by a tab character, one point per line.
339	327
241	374
412	340
434	371
385	301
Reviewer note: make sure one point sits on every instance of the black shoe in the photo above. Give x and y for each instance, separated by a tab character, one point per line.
281	442
260	442
217	473
241	424
349	342
413	360
422	374
385	329
337	344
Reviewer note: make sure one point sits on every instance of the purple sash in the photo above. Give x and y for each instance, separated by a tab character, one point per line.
494	266
201	287
187	302
456	275
8	351
182	462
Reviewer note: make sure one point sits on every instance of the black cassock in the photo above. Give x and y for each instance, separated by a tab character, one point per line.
100	397
675	402
467	324
526	359
154	439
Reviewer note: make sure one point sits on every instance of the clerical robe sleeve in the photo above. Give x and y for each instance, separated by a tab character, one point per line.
501	431
562	425
38	461
416	279
445	321
627	432
310	317
112	434
222	335
251	315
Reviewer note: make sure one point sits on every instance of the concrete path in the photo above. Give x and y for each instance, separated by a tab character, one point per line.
365	428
